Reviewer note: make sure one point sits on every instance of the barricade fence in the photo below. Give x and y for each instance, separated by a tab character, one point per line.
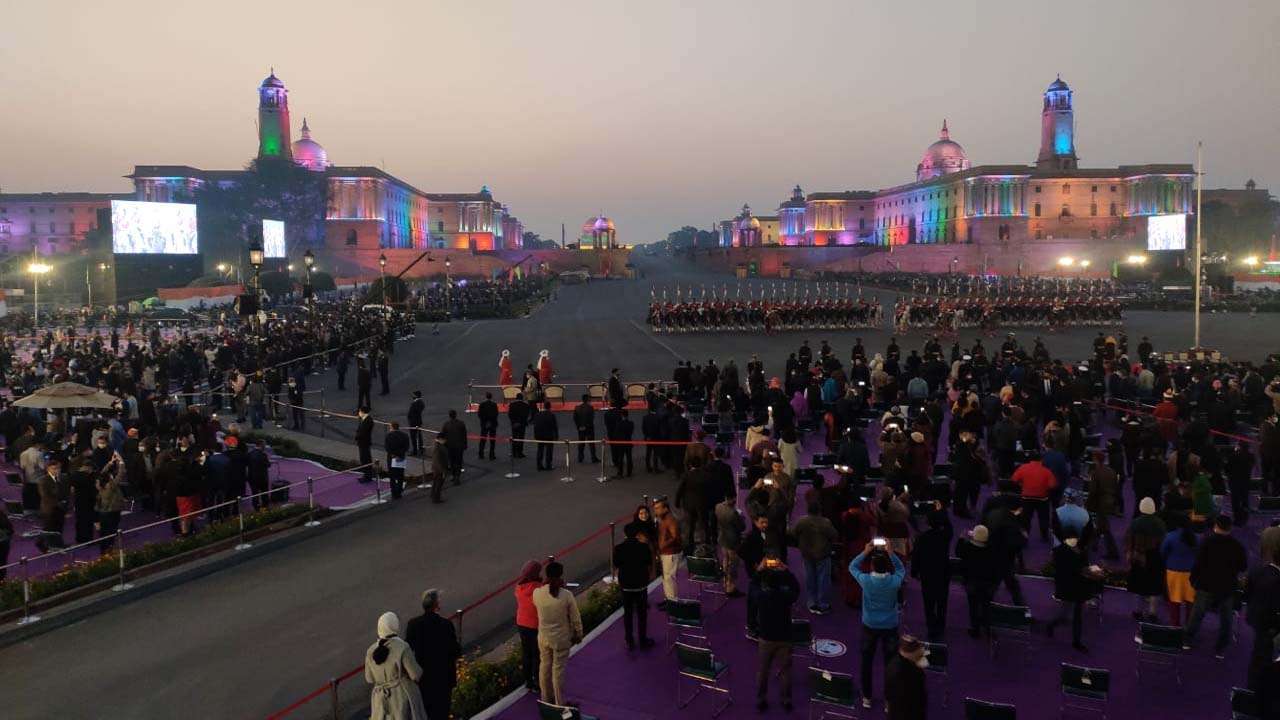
118	539
331	689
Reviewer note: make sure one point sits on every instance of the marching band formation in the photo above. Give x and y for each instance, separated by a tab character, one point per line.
945	304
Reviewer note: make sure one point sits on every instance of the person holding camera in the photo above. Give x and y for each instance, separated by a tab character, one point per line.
110	500
774	591
880	611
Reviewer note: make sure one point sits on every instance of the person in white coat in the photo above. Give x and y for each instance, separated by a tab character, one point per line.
559	629
392	670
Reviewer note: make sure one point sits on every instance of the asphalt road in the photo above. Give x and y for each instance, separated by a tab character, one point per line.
248	640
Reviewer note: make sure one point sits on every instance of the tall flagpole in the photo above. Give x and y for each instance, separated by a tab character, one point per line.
1199	251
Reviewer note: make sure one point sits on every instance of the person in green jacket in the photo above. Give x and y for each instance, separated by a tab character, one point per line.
1202	506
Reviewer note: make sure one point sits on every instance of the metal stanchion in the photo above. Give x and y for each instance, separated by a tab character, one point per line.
511	457
568	470
457	615
422	479
333	697
242	545
612	577
120	585
604	473
27	618
311	504
377	485
322	415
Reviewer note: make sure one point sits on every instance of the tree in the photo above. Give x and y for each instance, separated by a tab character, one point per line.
1238	231
271	188
689	237
534	241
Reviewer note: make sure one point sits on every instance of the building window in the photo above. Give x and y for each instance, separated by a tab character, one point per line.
1066	189
1066	211
1113	209
1037	188
352	237
862	223
1039	234
1037	205
439	226
53	227
1093	209
1093	234
1113	188
50	211
1094	189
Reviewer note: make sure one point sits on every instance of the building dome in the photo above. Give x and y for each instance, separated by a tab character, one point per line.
272	80
1057	85
309	153
942	157
603	224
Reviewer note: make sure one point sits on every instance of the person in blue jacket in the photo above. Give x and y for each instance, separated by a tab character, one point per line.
880	610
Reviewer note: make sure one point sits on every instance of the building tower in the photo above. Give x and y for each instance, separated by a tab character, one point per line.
1057	129
273	118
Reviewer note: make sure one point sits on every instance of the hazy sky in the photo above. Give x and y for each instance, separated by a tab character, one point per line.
659	113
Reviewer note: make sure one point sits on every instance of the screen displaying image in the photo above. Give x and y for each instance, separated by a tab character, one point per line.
1167	232
149	228
273	238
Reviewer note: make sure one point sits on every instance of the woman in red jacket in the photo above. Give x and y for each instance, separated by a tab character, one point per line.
527	622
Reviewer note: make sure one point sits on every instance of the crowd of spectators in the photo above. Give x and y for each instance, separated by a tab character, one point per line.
480	299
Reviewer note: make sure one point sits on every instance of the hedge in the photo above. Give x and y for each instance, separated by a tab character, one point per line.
482	683
108	565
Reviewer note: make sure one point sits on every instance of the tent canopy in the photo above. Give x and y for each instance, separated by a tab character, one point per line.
67	395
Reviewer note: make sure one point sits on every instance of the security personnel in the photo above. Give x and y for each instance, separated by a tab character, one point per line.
416	408
487	412
584	418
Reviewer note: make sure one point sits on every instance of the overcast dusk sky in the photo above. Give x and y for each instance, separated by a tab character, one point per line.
659	113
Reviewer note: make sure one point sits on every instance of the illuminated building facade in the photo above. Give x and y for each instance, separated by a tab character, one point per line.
952	201
50	223
749	230
367	206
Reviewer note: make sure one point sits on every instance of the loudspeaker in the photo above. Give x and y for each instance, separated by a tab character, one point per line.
246	304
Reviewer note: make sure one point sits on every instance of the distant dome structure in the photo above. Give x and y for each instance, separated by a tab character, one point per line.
747	228
272	81
600	232
943	157
309	153
603	223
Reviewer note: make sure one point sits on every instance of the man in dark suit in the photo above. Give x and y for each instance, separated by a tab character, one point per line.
623	432
584	418
344	364
384	371
652	429
397	444
545	428
518	412
364	442
364	382
677	431
487	413
435	646
416	408
617	396
455	438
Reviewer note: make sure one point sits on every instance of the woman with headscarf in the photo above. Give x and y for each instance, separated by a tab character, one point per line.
392	670
527	622
504	368
559	629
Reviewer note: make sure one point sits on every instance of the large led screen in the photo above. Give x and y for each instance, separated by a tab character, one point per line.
1167	232
148	228
273	238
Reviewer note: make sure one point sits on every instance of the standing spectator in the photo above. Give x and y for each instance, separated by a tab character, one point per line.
559	629
392	670
487	414
691	498
1262	612
584	417
110	501
652	430
1036	482
905	689
1239	471
1178	550
414	417
730	526
775	591
816	537
546	429
296	409
384	371
439	468
931	565
435	646
1215	576
981	572
634	562
1073	585
454	432
879	607
669	547
364	382
623	431
259	479
518	412
364	443
527	622
1146	567
256	396
1102	502
6	537
397	445
54	494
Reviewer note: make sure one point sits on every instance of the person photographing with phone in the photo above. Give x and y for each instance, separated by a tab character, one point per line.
880	613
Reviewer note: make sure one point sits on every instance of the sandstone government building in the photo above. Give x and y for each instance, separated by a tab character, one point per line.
953	202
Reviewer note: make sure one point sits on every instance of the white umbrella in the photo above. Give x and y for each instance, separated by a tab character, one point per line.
67	395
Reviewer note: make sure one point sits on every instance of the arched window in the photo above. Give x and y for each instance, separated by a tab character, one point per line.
352	238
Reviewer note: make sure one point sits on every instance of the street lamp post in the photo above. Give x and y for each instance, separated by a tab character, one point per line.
448	288
382	269
309	261
255	259
38	269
